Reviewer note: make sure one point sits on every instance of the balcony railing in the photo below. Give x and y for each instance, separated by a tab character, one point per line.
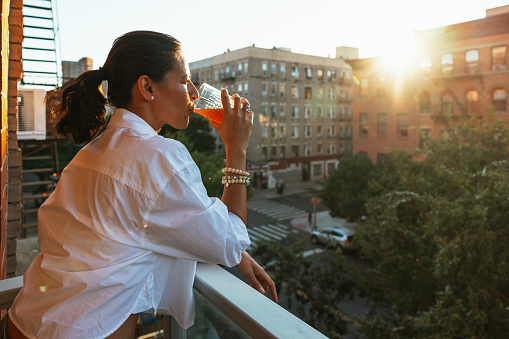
255	315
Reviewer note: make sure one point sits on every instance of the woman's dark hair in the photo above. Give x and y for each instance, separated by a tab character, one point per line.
137	53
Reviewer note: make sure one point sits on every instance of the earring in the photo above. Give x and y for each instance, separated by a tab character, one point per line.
152	97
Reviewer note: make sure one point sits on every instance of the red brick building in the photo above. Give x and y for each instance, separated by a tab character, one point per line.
460	69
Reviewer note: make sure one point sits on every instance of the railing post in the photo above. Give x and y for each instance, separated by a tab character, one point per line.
172	329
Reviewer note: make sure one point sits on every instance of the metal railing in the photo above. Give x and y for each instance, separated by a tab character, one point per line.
255	314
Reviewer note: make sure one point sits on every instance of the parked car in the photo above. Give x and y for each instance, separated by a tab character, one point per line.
336	237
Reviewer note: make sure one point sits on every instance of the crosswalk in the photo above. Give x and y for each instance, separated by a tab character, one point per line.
268	232
275	210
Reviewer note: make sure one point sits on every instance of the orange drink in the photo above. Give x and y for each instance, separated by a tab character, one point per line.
213	114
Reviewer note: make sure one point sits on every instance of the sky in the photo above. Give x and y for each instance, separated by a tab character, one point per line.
207	27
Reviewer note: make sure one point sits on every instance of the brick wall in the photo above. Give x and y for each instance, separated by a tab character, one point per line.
4	69
14	213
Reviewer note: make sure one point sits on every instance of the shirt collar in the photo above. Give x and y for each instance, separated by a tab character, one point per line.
126	119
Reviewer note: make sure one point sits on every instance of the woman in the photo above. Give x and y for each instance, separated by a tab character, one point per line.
130	217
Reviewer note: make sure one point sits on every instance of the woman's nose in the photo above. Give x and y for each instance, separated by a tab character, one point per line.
193	92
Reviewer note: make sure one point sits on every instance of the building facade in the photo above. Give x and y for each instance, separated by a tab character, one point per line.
460	69
71	69
302	105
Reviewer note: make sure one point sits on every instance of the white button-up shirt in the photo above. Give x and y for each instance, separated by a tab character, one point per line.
121	234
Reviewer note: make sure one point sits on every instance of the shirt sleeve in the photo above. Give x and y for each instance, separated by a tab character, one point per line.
185	222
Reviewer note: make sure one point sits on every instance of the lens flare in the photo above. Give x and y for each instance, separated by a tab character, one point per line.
356	80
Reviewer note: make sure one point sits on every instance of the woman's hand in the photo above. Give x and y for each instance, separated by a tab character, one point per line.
258	278
236	127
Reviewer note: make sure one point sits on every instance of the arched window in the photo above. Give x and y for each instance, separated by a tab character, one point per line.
472	102
447	104
425	102
500	100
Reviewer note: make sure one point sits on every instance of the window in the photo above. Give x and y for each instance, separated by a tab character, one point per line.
295	131
264	68
319	131
307	93
239	69
264	109
216	76
319	73
472	101
264	131
282	109
264	152
332	130
364	87
265	89
332	112
295	151
307	150
472	61
239	88
307	112
274	132
425	101
273	69
319	112
332	94
308	131
498	58
282	152
447	104
317	169
227	71
319	93
319	149
329	74
424	136
331	149
447	63
309	73
246	87
282	131
333	75
295	92
402	125
245	67
273	89
273	111
282	70
273	152
363	124
295	72
382	124
295	112
282	90
500	100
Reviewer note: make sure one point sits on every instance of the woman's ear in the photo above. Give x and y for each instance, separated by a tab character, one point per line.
144	87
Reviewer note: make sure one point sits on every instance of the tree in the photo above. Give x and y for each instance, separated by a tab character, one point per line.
438	240
344	190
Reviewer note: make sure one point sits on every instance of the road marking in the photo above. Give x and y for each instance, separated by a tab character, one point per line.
261	230
258	234
312	252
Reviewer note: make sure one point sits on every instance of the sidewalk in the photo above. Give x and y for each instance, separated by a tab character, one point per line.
289	189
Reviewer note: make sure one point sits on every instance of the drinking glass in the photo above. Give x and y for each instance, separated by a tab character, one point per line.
209	103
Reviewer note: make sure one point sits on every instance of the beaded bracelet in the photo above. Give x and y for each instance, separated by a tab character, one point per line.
235	180
234	170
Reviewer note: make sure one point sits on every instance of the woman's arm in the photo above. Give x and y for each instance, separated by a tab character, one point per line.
235	131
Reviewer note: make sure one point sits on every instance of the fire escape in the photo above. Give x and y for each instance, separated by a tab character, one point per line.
40	168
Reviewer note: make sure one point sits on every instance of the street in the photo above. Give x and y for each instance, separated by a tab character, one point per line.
285	219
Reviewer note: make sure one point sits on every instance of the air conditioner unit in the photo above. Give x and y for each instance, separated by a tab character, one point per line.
31	114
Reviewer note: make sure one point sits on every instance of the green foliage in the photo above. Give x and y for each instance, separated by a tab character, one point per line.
438	240
314	287
344	190
198	132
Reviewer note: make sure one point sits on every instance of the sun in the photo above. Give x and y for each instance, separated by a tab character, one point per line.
399	55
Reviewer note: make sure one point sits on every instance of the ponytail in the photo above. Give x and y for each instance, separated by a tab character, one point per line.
82	111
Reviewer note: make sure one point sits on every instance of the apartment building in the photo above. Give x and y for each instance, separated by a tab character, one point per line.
71	69
302	104
461	69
